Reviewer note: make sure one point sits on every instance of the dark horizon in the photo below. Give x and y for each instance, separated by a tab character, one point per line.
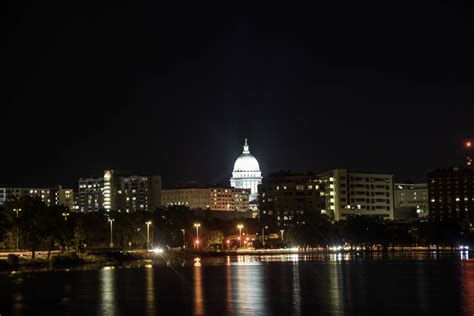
173	91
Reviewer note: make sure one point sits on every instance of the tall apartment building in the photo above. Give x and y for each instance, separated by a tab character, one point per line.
411	201
90	195
451	194
119	191
136	193
355	193
210	198
289	198
51	196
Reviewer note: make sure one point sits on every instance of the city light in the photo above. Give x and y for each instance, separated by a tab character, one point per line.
158	250
196	244
148	223
239	227
111	220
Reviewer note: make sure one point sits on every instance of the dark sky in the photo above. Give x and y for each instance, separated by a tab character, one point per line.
174	91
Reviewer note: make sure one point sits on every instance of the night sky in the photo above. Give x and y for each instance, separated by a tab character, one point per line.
174	91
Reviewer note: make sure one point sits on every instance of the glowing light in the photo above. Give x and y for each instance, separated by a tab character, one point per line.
158	250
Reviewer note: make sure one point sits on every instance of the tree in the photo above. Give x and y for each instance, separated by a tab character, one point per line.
213	239
37	222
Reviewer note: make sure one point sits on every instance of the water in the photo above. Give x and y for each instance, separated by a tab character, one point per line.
423	284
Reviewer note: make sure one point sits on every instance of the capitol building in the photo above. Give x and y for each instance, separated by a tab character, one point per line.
247	174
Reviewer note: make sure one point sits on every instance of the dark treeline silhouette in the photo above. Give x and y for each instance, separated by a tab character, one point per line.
39	226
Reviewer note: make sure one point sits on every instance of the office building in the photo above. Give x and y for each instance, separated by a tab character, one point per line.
51	196
210	198
451	194
411	201
290	198
357	193
119	191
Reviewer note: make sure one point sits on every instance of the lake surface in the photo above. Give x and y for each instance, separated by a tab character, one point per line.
422	284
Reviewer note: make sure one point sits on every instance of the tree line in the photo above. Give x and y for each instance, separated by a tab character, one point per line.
34	226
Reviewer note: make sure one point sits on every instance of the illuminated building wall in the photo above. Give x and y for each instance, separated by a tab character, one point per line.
355	193
90	197
119	191
411	201
290	198
51	196
451	194
213	198
138	193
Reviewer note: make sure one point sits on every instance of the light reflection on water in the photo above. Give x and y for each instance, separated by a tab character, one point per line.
198	291
467	270
107	292
150	289
332	283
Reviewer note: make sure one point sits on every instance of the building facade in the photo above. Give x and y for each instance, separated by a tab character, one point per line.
51	196
90	195
355	193
411	201
210	198
451	194
290	199
247	174
119	191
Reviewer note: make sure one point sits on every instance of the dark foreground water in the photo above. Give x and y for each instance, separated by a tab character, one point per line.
422	284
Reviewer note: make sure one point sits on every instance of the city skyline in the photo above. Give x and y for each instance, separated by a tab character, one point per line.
237	158
172	181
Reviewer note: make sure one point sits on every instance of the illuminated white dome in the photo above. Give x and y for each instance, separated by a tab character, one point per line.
246	163
246	173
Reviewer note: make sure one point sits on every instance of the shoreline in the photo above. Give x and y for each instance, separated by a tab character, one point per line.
96	261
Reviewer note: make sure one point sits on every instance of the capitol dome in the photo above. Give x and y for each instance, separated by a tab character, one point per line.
246	162
247	174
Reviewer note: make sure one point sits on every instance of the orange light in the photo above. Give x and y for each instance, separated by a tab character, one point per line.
238	238
228	241
197	241
468	144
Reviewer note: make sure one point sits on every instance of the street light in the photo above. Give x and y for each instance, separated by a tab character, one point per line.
17	211
184	237
240	226
66	214
148	234
282	231
111	220
263	235
197	225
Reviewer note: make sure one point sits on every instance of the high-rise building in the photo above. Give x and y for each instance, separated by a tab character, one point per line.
119	191
90	195
210	198
136	193
290	198
451	194
51	196
411	201
247	174
358	193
